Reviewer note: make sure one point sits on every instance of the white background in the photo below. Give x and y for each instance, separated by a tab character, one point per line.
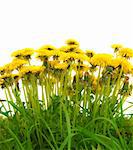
96	24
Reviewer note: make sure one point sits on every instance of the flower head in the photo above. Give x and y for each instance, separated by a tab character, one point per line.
61	66
124	63
16	77
90	53
74	56
79	51
15	64
43	55
56	54
101	60
47	47
72	42
31	69
116	47
69	48
6	79
23	53
5	76
2	70
126	52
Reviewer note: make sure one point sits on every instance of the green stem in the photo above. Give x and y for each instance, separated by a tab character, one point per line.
96	104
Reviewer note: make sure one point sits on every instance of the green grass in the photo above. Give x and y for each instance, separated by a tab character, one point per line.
65	124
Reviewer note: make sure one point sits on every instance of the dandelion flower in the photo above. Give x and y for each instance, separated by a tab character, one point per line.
57	53
90	53
126	65
63	48
126	52
74	56
16	64
47	47
72	42
79	51
82	57
2	70
68	48
116	47
6	80
43	53
16	76
5	76
31	69
67	56
23	53
61	66
101	60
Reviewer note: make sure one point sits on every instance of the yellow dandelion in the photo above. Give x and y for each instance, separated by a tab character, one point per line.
79	51
5	76
69	48
2	70
31	69
90	53
74	56
15	75
47	47
61	66
101	60
67	56
6	80
117	46
82	57
126	65
126	52
117	62
63	48
44	53
72	42
23	53
57	53
7	68
16	64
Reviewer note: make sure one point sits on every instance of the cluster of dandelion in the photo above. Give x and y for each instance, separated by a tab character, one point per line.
66	97
76	75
